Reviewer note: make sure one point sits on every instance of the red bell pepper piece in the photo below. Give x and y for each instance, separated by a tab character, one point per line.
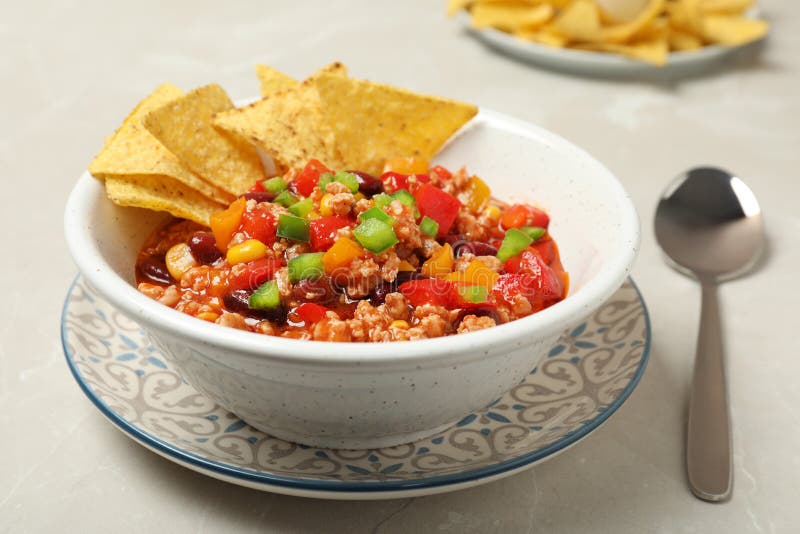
528	275
308	178
254	274
257	188
311	313
520	215
438	205
323	230
441	172
259	224
429	291
394	181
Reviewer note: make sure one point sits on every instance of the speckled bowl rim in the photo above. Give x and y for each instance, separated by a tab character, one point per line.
426	352
297	486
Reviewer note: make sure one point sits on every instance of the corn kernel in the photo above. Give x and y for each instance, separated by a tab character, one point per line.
179	259
359	196
399	323
493	213
325	205
313	215
250	250
208	316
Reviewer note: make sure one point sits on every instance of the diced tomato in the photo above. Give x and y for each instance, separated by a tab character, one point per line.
308	178
520	215
323	230
257	188
259	224
254	274
438	205
441	172
311	313
393	181
529	275
546	249
429	291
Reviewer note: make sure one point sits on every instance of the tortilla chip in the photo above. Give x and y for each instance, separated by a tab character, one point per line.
732	30
336	68
373	122
288	126
185	127
161	193
273	81
510	17
685	16
654	51
621	33
683	42
579	22
725	7
133	150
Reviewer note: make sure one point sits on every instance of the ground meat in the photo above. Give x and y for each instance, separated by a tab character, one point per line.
266	327
462	261
467	224
390	263
405	228
368	322
470	323
432	326
491	262
234	320
162	241
295	250
457	183
197	278
331	328
396	306
168	296
282	279
342	200
363	274
237	239
429	247
362	205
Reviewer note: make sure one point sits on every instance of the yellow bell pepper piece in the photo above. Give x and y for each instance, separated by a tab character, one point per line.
477	193
225	223
340	254
440	264
476	274
250	250
405	266
406	165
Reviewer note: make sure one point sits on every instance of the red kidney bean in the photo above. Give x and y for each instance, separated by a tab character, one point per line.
156	270
451	238
378	295
319	291
476	247
259	196
368	185
237	301
204	247
478	311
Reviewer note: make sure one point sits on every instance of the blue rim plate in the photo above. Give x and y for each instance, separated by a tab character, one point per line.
585	378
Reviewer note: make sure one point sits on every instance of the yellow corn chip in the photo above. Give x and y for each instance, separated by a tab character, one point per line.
725	7
288	126
546	35
185	127
161	193
580	21
373	122
654	51
454	6
685	16
621	33
683	42
510	17
731	30
336	68
133	150
273	81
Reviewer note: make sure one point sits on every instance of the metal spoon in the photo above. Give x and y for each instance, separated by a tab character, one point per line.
709	224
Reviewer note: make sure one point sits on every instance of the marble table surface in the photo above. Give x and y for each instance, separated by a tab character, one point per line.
70	71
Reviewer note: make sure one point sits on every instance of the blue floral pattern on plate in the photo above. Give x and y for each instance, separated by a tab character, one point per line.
584	378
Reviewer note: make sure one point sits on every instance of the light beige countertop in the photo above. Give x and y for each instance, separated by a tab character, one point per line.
70	71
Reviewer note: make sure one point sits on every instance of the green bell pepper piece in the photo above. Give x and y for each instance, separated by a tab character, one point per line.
265	297
302	208
429	226
305	266
274	185
292	227
375	235
377	213
514	242
285	198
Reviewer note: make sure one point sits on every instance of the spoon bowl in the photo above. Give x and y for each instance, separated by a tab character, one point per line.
709	224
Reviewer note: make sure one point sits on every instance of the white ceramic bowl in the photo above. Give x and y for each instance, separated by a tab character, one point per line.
371	395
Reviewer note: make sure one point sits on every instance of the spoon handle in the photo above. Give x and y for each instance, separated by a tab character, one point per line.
708	447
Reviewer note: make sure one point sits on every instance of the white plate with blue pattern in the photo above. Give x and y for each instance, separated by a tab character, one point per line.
585	378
